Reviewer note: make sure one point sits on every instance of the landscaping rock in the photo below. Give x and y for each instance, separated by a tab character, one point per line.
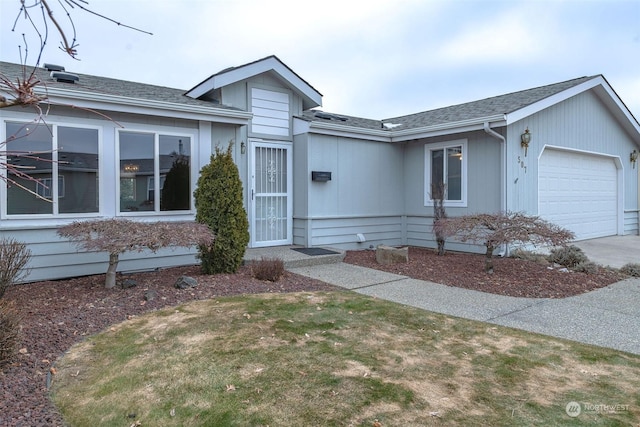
150	295
186	282
128	283
386	255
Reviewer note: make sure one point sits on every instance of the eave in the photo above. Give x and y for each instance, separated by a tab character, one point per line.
80	99
404	135
311	97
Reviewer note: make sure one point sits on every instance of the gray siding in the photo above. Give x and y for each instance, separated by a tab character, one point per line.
54	258
362	196
483	175
582	123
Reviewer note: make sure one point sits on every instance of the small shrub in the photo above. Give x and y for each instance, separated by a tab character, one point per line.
529	256
631	269
9	331
568	256
270	269
588	267
14	256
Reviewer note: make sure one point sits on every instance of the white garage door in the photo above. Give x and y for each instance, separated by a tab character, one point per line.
579	192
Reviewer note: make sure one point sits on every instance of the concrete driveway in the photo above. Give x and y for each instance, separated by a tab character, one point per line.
614	251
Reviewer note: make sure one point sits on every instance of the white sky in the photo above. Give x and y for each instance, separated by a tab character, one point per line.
369	58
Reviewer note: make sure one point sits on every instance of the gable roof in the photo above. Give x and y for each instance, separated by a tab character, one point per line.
496	111
497	105
119	95
311	98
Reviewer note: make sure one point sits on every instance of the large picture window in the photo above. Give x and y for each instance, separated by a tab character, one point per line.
55	169
445	173
152	164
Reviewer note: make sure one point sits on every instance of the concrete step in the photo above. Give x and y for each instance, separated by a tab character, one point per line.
293	258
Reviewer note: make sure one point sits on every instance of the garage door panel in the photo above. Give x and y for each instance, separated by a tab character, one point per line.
579	192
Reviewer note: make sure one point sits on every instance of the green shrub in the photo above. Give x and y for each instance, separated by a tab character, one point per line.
219	205
529	256
588	267
568	256
14	257
631	269
9	331
270	269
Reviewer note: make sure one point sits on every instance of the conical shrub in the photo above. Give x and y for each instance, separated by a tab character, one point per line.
218	200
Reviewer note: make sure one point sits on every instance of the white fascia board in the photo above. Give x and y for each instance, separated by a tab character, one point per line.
622	113
447	128
245	72
552	100
406	134
146	107
602	89
349	132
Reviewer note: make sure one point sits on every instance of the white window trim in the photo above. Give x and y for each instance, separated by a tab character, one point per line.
156	132
55	124
428	148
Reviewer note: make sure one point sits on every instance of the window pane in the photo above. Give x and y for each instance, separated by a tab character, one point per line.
437	172
32	173
454	173
136	166
175	173
78	168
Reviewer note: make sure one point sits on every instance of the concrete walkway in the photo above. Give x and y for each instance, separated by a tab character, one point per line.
607	317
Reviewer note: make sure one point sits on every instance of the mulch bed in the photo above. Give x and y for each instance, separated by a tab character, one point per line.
512	277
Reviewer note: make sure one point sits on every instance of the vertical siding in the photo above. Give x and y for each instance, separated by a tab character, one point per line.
484	187
364	194
366	177
581	123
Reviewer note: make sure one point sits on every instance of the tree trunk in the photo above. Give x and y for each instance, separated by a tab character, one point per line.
441	243
110	281
488	259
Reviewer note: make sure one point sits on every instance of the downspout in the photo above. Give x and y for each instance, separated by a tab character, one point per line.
503	199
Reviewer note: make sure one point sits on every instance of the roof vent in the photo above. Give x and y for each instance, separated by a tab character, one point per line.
53	67
328	116
63	77
390	126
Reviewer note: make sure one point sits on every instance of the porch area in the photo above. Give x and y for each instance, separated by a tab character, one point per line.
296	256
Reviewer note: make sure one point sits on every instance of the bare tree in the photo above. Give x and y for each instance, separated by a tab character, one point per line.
493	230
438	192
117	236
40	16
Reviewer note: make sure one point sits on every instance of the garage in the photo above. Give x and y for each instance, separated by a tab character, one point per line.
579	191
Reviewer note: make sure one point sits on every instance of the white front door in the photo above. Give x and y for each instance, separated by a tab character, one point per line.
271	208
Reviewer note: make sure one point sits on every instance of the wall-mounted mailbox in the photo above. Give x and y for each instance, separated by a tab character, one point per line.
320	176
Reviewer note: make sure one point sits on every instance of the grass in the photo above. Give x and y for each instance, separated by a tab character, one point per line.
335	359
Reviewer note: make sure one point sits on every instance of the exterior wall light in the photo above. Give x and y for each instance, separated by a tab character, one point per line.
243	147
633	157
525	139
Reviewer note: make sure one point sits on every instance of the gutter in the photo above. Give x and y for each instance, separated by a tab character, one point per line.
403	135
196	112
503	200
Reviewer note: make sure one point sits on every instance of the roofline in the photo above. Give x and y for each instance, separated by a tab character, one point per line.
125	104
406	134
445	128
242	72
628	120
547	102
